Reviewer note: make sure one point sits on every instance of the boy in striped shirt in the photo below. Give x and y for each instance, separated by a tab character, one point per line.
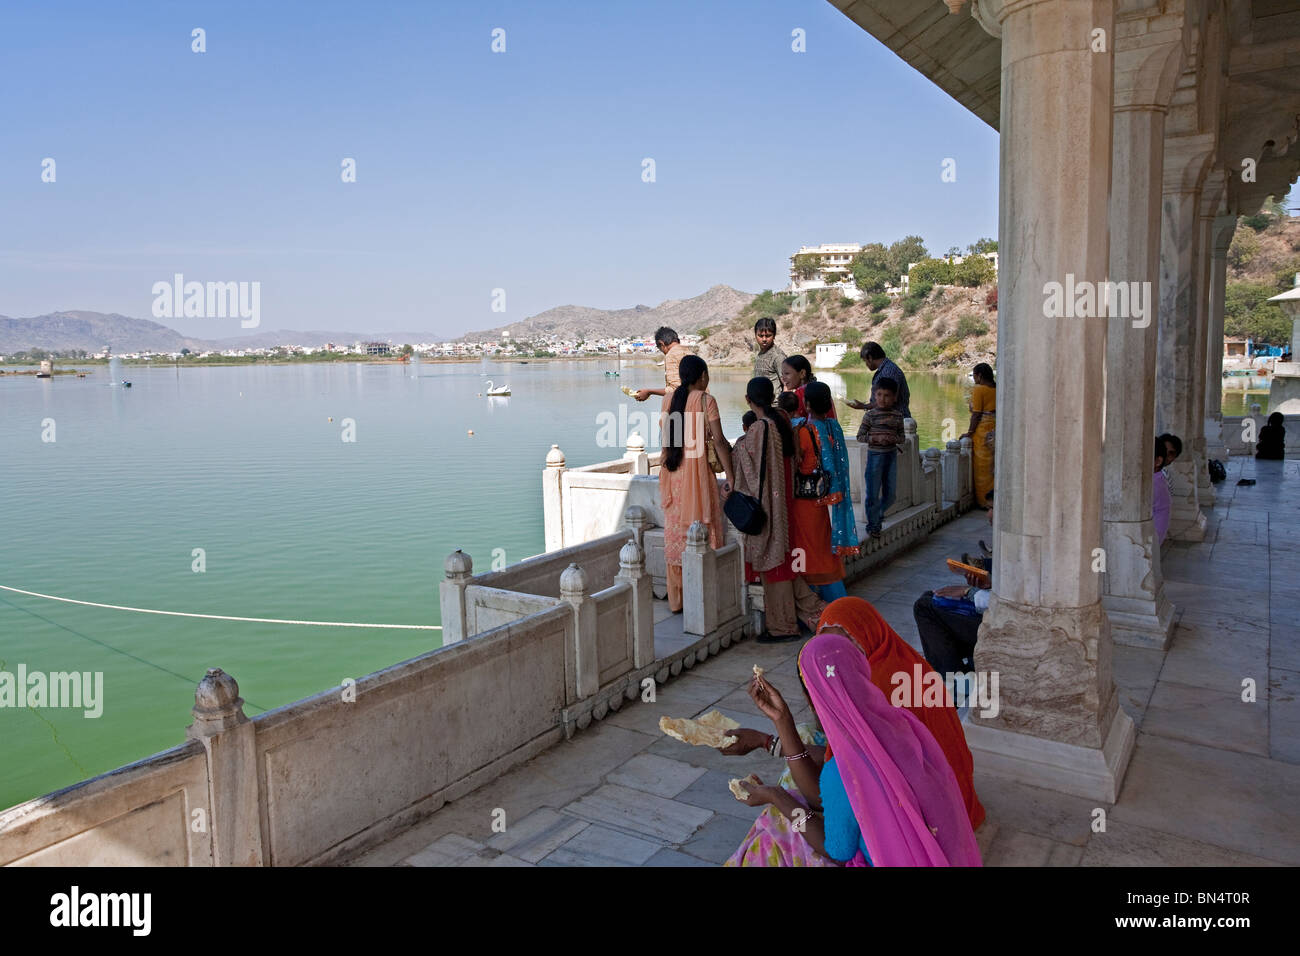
882	431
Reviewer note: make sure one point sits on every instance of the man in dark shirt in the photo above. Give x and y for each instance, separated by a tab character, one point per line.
874	357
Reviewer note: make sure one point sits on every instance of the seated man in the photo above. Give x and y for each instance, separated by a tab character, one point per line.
948	620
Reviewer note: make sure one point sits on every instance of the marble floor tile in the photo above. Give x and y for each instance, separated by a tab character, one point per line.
652	773
1211	717
667	857
537	834
682	696
1237	801
1017	848
1284	715
1059	817
601	846
643	814
449	850
1123	844
717	839
711	792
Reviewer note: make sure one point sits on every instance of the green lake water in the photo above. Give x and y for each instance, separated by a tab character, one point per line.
244	463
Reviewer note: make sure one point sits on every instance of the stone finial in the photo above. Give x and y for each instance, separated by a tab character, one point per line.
458	565
573	582
635	444
697	537
217	705
953	446
932	454
555	457
909	426
630	558
966	446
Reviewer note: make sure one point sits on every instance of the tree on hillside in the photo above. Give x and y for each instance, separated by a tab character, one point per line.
807	265
905	250
870	268
974	270
983	245
934	271
952	252
1244	245
1246	312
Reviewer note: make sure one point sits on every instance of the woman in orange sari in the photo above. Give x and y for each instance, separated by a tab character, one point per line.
688	489
889	654
983	412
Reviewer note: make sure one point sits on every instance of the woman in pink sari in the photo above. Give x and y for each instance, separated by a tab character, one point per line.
688	488
888	796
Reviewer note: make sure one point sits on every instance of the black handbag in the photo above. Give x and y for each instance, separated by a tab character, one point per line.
745	511
816	484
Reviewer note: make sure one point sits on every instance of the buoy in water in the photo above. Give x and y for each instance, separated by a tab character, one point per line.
331	418
471	431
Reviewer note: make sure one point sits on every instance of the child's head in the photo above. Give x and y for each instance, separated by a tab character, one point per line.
1160	461
1173	447
765	333
1276	419
818	397
748	419
885	393
788	403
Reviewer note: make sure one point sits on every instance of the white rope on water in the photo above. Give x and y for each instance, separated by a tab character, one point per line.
224	617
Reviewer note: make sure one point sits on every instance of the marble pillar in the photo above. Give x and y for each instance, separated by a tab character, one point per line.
1179	359
1220	237
1204	229
1134	594
1046	633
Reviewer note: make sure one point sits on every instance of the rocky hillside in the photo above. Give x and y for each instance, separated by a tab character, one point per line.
950	327
687	316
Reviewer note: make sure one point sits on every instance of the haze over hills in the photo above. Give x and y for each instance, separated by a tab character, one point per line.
715	305
91	331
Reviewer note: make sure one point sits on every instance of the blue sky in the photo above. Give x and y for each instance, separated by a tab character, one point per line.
475	170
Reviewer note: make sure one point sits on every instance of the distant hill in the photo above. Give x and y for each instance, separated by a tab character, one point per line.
60	331
91	331
687	316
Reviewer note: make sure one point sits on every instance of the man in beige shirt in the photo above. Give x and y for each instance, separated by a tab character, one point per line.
670	345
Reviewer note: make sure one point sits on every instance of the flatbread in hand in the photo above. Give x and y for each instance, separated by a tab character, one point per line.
707	731
740	788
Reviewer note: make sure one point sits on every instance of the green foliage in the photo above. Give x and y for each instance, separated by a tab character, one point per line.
973	271
879	301
920	290
905	250
871	269
851	361
703	333
1246	312
892	341
852	336
846	303
919	355
1259	222
952	351
1284	278
807	265
934	271
1244	246
969	325
983	245
911	304
767	304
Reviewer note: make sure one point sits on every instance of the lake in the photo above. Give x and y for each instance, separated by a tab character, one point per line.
248	463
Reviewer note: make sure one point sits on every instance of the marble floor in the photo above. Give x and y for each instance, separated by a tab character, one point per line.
1213	779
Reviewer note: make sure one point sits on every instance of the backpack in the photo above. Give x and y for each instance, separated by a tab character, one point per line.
1217	471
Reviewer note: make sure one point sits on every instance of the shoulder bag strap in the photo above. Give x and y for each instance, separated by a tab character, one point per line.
762	469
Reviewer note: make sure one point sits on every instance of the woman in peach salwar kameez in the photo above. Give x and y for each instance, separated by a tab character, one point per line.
688	488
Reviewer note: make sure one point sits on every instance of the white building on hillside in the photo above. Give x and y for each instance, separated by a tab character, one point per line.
829	354
833	268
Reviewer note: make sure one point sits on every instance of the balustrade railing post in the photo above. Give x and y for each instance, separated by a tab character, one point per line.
231	817
459	568
553	499
573	590
631	568
699	582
